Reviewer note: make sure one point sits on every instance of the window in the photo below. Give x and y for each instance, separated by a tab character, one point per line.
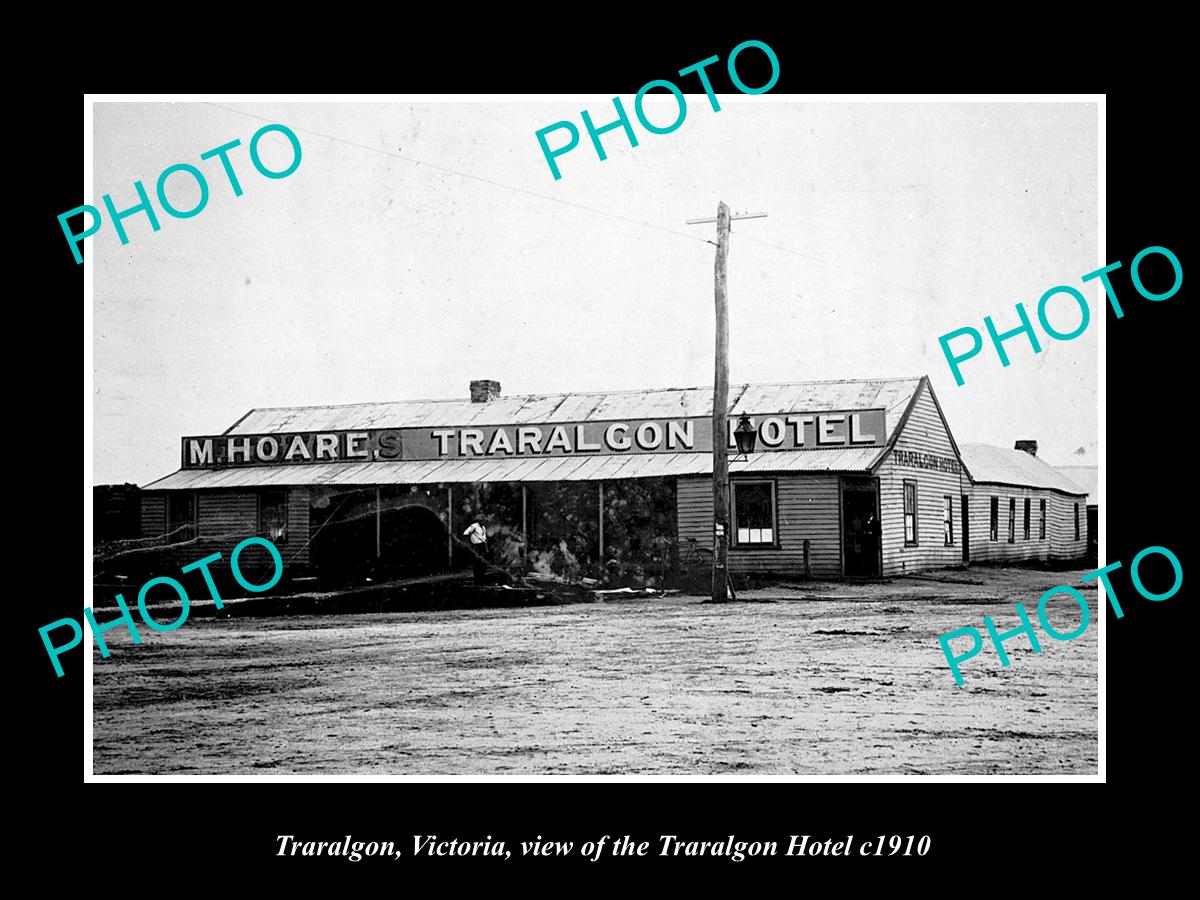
1076	521
1027	502
910	513
1042	522
754	513
181	516
948	521
272	514
1012	519
995	518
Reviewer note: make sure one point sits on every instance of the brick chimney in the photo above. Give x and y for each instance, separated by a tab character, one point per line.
1029	447
484	390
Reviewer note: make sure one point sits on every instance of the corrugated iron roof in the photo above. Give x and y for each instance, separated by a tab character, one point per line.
1087	477
847	459
551	468
1003	465
892	394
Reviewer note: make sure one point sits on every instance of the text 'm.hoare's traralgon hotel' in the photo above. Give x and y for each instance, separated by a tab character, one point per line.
847	478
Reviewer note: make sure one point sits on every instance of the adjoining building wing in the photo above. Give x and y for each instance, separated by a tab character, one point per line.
1022	507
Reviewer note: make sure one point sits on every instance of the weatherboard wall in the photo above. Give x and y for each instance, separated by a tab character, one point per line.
924	432
226	518
807	508
1059	543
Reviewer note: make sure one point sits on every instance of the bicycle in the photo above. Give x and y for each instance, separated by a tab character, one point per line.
702	558
695	555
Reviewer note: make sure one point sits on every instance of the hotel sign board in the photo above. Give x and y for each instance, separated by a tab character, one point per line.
780	431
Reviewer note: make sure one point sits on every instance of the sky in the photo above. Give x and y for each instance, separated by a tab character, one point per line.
364	276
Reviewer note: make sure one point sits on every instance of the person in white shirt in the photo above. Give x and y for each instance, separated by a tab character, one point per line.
477	535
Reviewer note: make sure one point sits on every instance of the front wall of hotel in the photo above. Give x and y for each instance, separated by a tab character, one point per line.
836	482
807	509
226	518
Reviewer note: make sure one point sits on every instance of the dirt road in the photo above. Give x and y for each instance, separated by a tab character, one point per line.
848	680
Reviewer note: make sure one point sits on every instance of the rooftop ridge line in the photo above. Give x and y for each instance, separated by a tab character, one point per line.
664	390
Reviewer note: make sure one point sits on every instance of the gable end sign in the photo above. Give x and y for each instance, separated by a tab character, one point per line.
782	431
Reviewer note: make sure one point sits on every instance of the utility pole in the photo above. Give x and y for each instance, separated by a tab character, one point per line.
722	586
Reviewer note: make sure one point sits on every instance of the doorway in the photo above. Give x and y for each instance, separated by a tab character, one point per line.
342	529
860	527
966	528
412	538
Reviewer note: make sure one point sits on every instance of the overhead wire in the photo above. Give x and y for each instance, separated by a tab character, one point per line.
579	206
468	175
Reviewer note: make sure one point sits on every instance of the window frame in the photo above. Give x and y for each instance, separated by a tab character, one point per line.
1042	520
948	521
916	529
995	519
1028	504
260	494
195	519
1012	520
734	484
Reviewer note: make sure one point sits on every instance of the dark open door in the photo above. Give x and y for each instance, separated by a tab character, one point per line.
860	526
966	529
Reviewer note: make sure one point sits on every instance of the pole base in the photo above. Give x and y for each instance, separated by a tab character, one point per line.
730	593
